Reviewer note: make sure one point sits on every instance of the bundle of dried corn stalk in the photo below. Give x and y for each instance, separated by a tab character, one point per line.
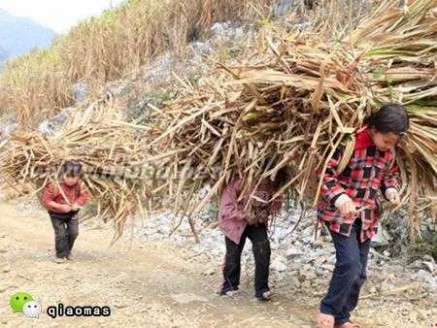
289	104
112	151
295	102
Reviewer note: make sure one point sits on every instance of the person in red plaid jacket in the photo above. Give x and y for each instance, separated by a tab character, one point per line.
350	207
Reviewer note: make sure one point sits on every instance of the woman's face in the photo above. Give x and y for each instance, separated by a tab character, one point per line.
385	141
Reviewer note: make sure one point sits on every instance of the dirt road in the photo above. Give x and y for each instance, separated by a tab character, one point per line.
150	284
145	285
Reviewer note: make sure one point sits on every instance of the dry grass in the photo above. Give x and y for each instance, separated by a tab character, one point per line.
105	48
294	103
112	151
291	99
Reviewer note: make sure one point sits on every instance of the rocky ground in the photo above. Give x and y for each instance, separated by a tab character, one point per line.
302	266
152	280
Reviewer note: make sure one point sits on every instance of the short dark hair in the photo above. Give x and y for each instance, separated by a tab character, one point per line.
72	169
390	118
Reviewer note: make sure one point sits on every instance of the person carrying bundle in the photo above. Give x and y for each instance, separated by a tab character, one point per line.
63	200
350	207
244	213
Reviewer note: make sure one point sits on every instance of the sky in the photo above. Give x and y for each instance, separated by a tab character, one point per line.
59	15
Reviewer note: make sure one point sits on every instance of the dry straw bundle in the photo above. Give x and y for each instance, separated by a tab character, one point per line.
113	156
294	104
289	104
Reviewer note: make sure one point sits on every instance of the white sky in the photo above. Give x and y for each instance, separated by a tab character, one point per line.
60	15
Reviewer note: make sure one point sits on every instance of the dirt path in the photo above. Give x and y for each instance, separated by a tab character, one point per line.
146	285
153	284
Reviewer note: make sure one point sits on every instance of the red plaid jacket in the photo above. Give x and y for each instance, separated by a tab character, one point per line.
368	174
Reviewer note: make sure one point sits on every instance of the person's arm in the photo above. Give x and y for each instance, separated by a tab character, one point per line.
332	191
49	195
277	204
229	206
390	184
83	198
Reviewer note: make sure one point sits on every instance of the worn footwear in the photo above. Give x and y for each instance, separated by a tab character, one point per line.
229	292
70	257
325	321
348	325
60	260
266	296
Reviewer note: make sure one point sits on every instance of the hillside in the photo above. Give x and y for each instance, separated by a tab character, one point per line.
20	35
107	47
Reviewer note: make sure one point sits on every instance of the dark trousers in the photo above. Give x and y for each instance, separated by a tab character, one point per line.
261	251
66	228
349	275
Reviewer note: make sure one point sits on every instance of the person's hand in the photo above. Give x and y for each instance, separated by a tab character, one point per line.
346	206
66	208
76	207
393	197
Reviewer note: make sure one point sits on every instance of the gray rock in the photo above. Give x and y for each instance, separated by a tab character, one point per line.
278	266
274	245
319	242
386	286
430	266
292	253
7	128
226	33
201	49
306	274
219	28
303	26
60	118
427	278
283	6
160	69
80	92
46	127
320	272
428	258
416	265
53	124
382	238
328	267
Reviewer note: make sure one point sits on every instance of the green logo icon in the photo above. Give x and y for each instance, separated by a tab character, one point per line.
18	300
